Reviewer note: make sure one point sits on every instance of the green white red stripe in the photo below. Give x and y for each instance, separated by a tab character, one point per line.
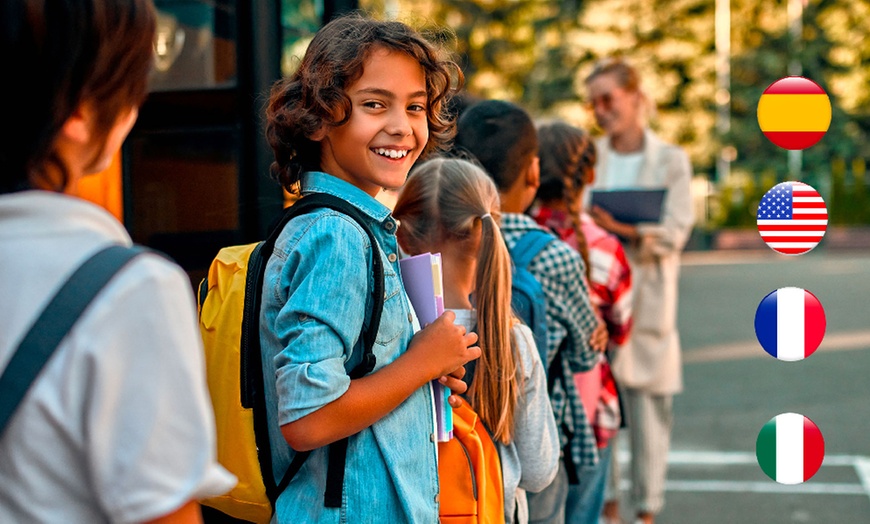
790	448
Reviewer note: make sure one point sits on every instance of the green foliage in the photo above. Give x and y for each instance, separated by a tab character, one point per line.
300	19
832	51
538	52
763	53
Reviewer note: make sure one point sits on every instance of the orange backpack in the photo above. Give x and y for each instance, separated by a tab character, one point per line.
469	472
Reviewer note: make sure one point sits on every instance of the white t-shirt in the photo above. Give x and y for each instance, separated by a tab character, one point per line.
118	427
623	170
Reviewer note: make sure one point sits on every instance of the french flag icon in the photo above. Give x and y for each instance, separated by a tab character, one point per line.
790	323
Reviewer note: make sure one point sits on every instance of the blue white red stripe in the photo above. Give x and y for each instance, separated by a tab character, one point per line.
790	323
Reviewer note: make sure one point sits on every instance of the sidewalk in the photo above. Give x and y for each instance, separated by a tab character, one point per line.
836	238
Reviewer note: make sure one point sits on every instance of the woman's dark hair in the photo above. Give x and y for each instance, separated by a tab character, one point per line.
314	96
58	54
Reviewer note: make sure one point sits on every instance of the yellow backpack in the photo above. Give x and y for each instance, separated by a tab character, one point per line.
229	310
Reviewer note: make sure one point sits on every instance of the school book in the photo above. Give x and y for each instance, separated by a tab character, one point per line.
421	276
631	206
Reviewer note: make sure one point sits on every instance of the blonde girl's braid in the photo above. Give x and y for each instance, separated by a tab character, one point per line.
445	199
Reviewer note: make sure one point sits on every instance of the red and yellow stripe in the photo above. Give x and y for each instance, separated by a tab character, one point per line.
794	112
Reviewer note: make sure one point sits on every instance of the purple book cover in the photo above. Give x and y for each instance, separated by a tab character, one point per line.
421	276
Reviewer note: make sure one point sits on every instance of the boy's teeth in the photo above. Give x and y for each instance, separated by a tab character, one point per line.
392	153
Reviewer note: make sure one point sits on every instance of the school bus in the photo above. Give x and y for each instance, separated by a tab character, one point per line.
193	175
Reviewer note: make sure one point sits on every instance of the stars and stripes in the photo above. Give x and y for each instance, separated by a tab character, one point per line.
792	218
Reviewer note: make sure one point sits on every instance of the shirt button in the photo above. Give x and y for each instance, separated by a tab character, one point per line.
389	226
391	257
432	437
437	499
410	318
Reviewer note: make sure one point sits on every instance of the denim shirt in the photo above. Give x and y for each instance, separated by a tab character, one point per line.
316	297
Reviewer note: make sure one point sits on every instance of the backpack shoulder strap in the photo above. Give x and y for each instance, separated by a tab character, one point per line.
529	245
55	321
251	344
311	203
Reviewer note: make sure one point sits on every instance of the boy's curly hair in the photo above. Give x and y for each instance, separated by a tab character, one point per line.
314	95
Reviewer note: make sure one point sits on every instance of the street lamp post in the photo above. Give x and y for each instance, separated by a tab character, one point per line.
795	28
723	84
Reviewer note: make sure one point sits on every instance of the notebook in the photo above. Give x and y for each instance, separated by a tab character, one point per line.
421	276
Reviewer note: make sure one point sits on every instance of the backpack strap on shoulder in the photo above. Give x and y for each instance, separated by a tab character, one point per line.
529	245
315	201
55	322
251	346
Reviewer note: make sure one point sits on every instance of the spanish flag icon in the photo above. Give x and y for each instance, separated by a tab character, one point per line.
794	112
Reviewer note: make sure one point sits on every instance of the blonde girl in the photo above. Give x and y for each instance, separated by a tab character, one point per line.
452	206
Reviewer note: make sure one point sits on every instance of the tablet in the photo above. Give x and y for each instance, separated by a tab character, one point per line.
631	206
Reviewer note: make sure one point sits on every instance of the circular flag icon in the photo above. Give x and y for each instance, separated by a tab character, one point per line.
794	112
790	323
790	448
792	218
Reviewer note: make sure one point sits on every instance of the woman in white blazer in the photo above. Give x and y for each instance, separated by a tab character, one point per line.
649	367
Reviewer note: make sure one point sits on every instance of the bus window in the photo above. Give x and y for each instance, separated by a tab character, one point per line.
195	45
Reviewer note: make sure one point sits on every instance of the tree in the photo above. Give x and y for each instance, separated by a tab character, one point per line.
537	53
833	52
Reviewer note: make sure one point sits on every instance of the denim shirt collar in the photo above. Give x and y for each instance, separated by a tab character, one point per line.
320	182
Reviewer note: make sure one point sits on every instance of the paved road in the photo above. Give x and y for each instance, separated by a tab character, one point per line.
732	388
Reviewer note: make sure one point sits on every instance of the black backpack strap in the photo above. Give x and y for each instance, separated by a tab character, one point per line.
316	201
53	324
252	376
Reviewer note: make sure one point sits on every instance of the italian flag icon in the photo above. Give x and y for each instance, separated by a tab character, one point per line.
790	448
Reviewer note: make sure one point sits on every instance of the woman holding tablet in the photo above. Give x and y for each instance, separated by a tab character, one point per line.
631	156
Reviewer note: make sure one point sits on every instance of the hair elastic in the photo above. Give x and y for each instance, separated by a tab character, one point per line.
487	215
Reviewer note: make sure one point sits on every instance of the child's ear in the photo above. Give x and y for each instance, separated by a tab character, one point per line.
77	128
533	174
320	134
531	179
589	177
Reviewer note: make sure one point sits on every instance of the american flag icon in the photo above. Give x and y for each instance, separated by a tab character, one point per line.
792	218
